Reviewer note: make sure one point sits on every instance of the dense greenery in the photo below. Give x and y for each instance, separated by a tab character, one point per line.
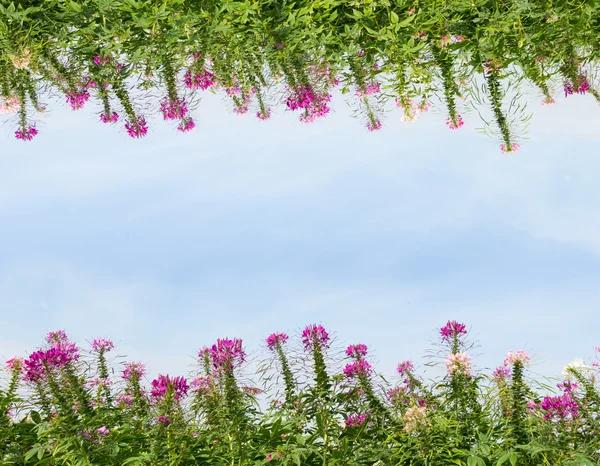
61	407
136	57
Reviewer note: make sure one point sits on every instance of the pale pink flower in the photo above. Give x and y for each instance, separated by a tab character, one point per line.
513	357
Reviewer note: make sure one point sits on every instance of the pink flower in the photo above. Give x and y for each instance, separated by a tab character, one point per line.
202	384
137	129
104	118
100	344
227	354
202	79
134	370
501	372
173	109
276	339
263	115
161	385
404	367
102	430
509	150
452	329
455	124
26	133
163	420
458	363
374	125
98	60
315	335
370	89
358	368
15	364
355	420
411	12
77	99
357	351
187	124
517	356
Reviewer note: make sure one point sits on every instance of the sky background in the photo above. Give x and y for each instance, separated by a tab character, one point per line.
241	228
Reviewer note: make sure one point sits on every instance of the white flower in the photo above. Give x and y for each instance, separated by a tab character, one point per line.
576	365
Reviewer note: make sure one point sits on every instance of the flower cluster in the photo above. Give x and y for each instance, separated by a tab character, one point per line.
358	368
315	335
173	109
458	363
134	370
202	384
356	420
512	357
452	329
112	118
227	354
415	417
313	103
201	79
102	345
138	128
357	351
455	124
161	384
276	339
559	407
56	357
27	133
580	86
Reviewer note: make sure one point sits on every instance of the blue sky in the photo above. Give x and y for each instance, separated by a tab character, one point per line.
242	227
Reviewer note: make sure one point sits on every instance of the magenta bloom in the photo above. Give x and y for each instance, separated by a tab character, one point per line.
14	364
98	60
202	384
561	407
580	86
357	351
187	124
173	109
160	386
452	329
513	148
138	128
77	99
26	133
199	80
315	335
455	125
374	125
134	369
370	89
100	344
356	420
404	367
264	116
358	368
163	420
58	356
102	430
276	339
227	354
501	372
58	336
104	118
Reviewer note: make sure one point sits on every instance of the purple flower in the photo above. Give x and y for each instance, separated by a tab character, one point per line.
137	129
104	118
98	60
404	367
560	407
58	336
77	99
202	384
276	339
102	430
227	354
357	351
199	80
100	344
134	370
26	133
501	372
173	109
163	420
315	335
160	386
358	368
58	356
452	329
14	364
187	124
356	420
